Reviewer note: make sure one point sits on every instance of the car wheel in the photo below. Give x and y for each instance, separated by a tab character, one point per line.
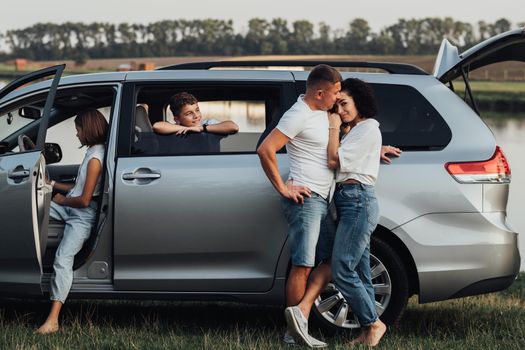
391	292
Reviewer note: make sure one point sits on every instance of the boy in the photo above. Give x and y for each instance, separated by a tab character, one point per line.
188	118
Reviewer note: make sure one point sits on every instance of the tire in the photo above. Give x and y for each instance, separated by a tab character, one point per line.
391	285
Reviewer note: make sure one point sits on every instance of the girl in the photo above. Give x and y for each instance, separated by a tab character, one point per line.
77	210
356	160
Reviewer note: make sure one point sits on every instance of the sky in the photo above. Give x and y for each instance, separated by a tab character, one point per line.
379	14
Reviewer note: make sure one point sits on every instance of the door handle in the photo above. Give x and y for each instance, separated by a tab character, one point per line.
18	174
140	176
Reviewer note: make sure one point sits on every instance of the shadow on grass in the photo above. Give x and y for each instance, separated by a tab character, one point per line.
190	316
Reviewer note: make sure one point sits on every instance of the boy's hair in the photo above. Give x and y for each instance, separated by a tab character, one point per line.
94	126
363	96
322	73
179	100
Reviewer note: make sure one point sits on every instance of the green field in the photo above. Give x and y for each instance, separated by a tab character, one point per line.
492	321
493	86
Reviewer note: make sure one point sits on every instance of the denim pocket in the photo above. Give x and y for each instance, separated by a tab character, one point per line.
351	193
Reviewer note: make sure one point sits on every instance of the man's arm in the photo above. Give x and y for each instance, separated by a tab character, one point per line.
267	154
225	128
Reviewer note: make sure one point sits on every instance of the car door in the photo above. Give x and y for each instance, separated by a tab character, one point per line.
507	46
198	222
25	198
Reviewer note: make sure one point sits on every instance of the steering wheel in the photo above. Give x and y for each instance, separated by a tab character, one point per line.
25	143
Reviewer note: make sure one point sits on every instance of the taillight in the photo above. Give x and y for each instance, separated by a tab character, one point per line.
494	170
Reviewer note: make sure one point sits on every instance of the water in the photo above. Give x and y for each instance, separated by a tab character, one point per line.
510	136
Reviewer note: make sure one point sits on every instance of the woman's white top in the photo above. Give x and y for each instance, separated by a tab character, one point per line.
95	151
360	153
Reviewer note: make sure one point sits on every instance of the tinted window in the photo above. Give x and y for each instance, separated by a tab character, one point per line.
407	120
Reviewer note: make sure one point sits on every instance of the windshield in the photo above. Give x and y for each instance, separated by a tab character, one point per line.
10	122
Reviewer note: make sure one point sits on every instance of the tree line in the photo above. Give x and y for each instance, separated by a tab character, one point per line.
81	41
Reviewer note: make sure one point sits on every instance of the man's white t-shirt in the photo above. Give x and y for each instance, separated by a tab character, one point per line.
307	149
360	153
95	151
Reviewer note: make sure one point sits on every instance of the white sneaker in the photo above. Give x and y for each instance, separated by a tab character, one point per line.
289	339
298	325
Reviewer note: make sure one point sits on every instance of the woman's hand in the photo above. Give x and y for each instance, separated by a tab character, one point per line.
334	120
389	150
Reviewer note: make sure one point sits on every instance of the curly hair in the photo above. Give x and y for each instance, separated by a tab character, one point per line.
179	100
363	96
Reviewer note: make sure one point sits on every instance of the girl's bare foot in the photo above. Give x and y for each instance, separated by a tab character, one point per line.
47	328
374	333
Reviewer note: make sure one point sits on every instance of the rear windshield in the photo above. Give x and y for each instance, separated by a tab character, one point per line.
407	120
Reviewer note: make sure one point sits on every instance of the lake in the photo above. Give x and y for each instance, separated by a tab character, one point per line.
509	131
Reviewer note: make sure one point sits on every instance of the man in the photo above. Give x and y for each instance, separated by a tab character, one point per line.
304	131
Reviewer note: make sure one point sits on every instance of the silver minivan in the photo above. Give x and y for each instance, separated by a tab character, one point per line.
195	217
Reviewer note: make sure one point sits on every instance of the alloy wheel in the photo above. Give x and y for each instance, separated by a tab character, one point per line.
332	306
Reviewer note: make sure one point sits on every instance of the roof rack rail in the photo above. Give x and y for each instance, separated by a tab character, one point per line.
393	68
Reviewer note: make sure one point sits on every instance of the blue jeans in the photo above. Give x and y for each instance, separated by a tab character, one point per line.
305	223
358	214
78	223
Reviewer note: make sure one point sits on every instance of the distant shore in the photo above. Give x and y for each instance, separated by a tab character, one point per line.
498	87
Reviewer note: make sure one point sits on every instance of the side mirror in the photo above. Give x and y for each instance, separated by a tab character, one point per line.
29	112
52	153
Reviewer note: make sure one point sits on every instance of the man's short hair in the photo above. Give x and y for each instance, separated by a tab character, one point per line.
322	73
179	100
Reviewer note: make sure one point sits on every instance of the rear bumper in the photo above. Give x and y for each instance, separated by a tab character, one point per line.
461	254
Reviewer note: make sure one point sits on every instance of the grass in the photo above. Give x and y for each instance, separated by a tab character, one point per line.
493	86
492	321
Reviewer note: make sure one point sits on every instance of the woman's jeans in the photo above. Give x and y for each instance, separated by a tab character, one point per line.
358	214
78	223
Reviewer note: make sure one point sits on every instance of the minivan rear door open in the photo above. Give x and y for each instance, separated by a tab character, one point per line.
24	199
508	46
449	65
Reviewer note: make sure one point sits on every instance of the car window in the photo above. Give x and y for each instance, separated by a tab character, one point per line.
17	118
407	120
11	122
248	107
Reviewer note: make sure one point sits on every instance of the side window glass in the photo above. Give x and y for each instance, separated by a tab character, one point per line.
11	121
248	115
407	120
234	117
17	119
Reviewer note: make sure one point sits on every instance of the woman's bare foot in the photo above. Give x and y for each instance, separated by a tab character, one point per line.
374	333
48	327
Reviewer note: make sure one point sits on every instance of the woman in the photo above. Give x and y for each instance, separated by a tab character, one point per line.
77	210
356	157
